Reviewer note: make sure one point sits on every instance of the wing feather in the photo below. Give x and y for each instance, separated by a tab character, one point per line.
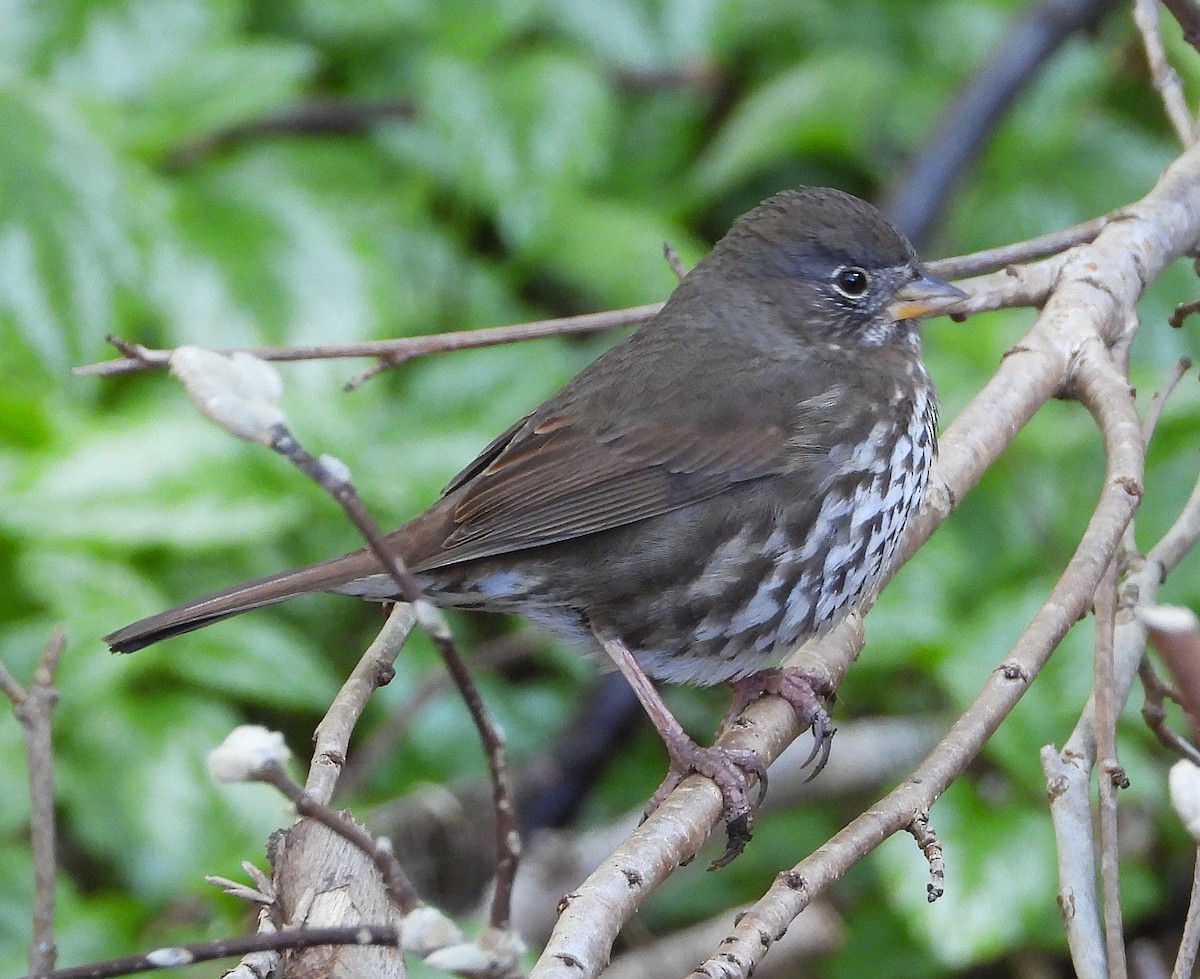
551	480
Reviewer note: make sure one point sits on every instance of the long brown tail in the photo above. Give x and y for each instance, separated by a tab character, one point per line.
324	576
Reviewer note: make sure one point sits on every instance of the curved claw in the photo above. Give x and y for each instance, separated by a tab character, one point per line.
737	835
822	732
730	771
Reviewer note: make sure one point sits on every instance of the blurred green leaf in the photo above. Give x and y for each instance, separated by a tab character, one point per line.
71	234
175	824
801	112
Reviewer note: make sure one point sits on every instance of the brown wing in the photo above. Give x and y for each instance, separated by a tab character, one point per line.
552	480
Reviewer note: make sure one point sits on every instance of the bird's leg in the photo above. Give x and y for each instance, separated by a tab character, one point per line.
729	769
805	692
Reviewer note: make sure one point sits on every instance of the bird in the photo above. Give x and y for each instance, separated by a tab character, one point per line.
724	484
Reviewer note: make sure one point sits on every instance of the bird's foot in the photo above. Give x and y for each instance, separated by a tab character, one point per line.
805	692
730	770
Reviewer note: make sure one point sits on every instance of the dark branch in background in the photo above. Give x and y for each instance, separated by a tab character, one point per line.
1187	14
180	955
319	117
351	117
915	201
32	708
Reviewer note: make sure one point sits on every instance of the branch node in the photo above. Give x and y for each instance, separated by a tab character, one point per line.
923	833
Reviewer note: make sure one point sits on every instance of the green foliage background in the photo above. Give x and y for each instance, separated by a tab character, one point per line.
554	145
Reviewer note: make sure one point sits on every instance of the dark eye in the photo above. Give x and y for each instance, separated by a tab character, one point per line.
850	281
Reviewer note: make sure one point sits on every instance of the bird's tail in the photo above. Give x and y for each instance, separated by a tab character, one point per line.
325	576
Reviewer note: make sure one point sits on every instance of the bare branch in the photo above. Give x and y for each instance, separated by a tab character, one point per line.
178	955
1111	775
374	670
1162	74
1032	249
1189	944
32	708
927	841
1182	312
1025	287
390	353
335	481
1154	713
399	889
1159	401
674	260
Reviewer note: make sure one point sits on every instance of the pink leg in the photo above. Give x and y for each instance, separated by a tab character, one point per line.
728	769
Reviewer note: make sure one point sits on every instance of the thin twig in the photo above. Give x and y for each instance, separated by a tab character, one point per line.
1189	944
1154	713
1112	776
1154	410
922	832
390	353
1164	77
334	481
674	260
1182	312
374	670
399	888
381	743
179	955
393	353
32	708
1030	250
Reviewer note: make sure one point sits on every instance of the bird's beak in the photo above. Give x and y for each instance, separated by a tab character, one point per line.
925	296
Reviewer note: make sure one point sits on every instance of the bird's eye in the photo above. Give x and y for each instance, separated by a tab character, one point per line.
850	281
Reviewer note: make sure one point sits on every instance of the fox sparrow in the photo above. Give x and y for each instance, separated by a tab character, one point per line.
722	485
